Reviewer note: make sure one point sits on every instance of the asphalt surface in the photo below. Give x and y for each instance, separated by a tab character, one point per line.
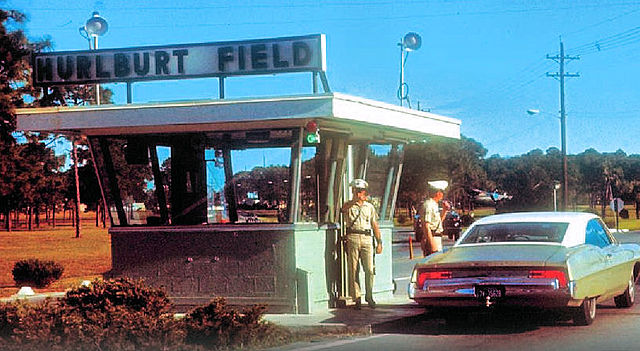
401	324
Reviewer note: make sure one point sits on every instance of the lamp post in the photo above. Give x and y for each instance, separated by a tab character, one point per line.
411	42
565	171
94	27
556	186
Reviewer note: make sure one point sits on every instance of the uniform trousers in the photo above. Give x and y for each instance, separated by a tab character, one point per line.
360	249
424	244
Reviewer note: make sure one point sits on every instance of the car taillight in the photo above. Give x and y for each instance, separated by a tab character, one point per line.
431	275
550	274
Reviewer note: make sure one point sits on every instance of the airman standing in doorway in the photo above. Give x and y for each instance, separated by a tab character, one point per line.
361	224
432	223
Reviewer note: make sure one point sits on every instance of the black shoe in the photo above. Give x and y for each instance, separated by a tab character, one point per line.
371	303
358	304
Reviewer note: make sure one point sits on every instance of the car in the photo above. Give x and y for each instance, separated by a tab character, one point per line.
550	260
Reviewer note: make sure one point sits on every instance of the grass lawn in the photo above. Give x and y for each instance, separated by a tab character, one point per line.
89	256
84	258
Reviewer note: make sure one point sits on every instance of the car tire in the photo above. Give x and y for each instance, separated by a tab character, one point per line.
586	313
628	298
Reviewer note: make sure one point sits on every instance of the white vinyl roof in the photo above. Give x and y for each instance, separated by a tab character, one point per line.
575	234
362	118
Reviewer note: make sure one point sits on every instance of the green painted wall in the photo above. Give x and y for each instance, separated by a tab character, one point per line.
317	267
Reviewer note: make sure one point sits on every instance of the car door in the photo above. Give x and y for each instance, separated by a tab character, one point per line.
593	263
617	259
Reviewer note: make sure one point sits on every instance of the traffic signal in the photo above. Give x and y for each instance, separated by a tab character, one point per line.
312	133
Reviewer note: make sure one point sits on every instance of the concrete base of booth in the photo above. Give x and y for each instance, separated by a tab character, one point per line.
289	268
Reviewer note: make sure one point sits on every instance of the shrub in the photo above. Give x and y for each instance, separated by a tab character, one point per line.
37	273
101	296
110	315
126	315
217	325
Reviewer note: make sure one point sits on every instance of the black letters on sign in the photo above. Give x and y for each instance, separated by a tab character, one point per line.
83	67
241	63
121	67
162	62
100	72
276	58
181	54
225	54
65	71
144	69
258	56
301	53
45	69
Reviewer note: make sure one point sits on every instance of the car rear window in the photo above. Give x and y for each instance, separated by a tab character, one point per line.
519	231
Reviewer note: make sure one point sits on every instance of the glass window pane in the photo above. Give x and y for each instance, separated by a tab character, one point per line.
520	231
155	215
382	170
309	186
135	180
196	191
261	184
217	207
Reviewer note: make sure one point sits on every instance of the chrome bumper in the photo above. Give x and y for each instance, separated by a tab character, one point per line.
519	291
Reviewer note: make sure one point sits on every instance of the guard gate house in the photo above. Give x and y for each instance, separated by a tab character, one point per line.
238	198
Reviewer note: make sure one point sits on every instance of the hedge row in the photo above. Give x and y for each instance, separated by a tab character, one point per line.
127	315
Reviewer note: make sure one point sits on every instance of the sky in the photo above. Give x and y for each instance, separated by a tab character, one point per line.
481	61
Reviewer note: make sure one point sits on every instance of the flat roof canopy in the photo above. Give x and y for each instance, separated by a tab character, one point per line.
361	118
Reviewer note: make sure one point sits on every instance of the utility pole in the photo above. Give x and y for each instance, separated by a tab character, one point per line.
560	59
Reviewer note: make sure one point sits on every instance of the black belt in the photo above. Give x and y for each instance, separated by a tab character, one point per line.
356	231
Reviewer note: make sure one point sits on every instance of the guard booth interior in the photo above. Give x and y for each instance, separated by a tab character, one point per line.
248	214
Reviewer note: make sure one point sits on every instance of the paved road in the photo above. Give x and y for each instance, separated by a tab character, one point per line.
613	329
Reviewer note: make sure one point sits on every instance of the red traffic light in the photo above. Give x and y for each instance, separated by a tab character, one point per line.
311	127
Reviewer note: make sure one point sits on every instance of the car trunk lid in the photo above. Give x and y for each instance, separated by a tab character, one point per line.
501	255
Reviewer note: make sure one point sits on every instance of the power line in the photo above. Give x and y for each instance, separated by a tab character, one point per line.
610	19
621	39
358	18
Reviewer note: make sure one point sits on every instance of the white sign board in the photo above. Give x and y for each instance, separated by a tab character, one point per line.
221	59
617	205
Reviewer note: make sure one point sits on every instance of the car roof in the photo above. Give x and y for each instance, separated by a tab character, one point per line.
567	217
575	234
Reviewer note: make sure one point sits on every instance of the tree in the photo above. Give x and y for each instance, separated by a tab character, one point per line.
15	52
460	162
77	95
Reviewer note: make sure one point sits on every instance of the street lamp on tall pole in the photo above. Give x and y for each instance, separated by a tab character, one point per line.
94	27
556	186
565	171
411	42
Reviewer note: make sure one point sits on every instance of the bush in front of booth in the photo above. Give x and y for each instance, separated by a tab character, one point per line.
36	272
127	315
217	325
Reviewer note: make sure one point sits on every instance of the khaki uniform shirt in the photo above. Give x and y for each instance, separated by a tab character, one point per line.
431	215
363	221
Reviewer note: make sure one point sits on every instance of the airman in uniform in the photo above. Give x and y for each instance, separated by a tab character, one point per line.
361	228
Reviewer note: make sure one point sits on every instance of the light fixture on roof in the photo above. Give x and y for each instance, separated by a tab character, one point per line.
411	42
96	25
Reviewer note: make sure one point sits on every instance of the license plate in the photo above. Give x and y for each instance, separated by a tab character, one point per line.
482	291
